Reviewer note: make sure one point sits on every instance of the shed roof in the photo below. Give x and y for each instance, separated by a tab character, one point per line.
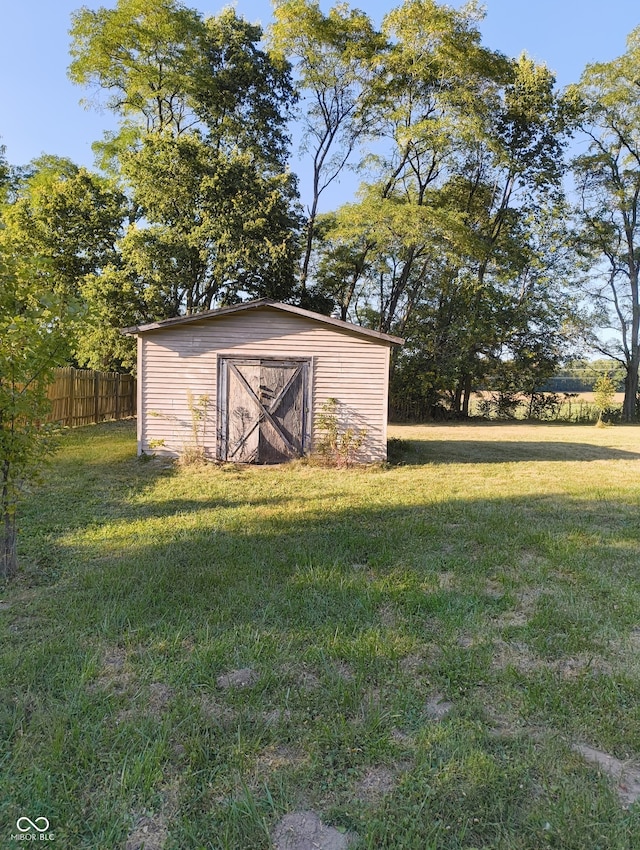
258	304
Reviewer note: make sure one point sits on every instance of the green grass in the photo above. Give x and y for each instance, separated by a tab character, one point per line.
492	567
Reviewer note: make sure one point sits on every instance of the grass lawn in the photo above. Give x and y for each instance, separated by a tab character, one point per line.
440	653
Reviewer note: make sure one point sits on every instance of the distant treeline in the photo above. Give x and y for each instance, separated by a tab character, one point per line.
567	384
581	375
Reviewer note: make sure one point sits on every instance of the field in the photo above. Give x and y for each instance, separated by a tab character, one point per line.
441	653
576	408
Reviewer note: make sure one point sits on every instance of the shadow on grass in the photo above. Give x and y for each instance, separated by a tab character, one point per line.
160	588
97	480
318	573
418	452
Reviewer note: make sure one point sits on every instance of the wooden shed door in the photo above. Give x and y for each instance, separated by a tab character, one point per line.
263	409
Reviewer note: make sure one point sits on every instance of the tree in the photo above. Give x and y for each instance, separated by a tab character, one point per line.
35	327
442	245
608	182
67	216
604	391
72	221
335	57
200	154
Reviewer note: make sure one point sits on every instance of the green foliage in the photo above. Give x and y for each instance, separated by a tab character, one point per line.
67	216
200	154
604	391
608	180
338	441
456	242
335	56
36	327
72	220
168	70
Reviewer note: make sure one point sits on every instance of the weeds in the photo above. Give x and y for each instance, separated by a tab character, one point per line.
339	441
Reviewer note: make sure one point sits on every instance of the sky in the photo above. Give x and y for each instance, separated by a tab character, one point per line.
40	110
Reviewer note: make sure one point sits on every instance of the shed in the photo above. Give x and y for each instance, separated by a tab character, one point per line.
246	383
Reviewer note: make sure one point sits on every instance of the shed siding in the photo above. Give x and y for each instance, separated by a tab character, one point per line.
185	357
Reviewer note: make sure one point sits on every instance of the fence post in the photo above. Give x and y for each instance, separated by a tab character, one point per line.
117	395
96	397
72	401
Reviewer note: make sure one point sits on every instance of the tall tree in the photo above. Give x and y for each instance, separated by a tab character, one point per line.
608	181
334	56
506	181
437	246
200	153
430	83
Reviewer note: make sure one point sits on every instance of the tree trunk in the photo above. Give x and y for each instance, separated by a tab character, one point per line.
457	397
631	389
468	386
8	552
631	378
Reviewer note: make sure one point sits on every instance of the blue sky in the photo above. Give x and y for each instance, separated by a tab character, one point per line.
41	112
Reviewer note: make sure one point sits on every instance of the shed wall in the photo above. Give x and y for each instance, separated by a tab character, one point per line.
181	359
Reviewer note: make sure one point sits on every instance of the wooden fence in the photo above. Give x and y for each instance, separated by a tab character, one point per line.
405	410
82	396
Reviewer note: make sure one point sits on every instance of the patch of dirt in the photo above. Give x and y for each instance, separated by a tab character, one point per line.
412	664
160	695
514	655
278	756
213	710
512	619
626	775
275	716
114	658
447	580
494	589
518	656
531	558
305	831
374	785
243	678
401	737
302	676
343	671
149	833
437	708
178	750
520	615
308	681
113	676
634	638
370	703
388	616
575	665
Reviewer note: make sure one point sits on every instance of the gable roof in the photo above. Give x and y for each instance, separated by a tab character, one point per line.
261	303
